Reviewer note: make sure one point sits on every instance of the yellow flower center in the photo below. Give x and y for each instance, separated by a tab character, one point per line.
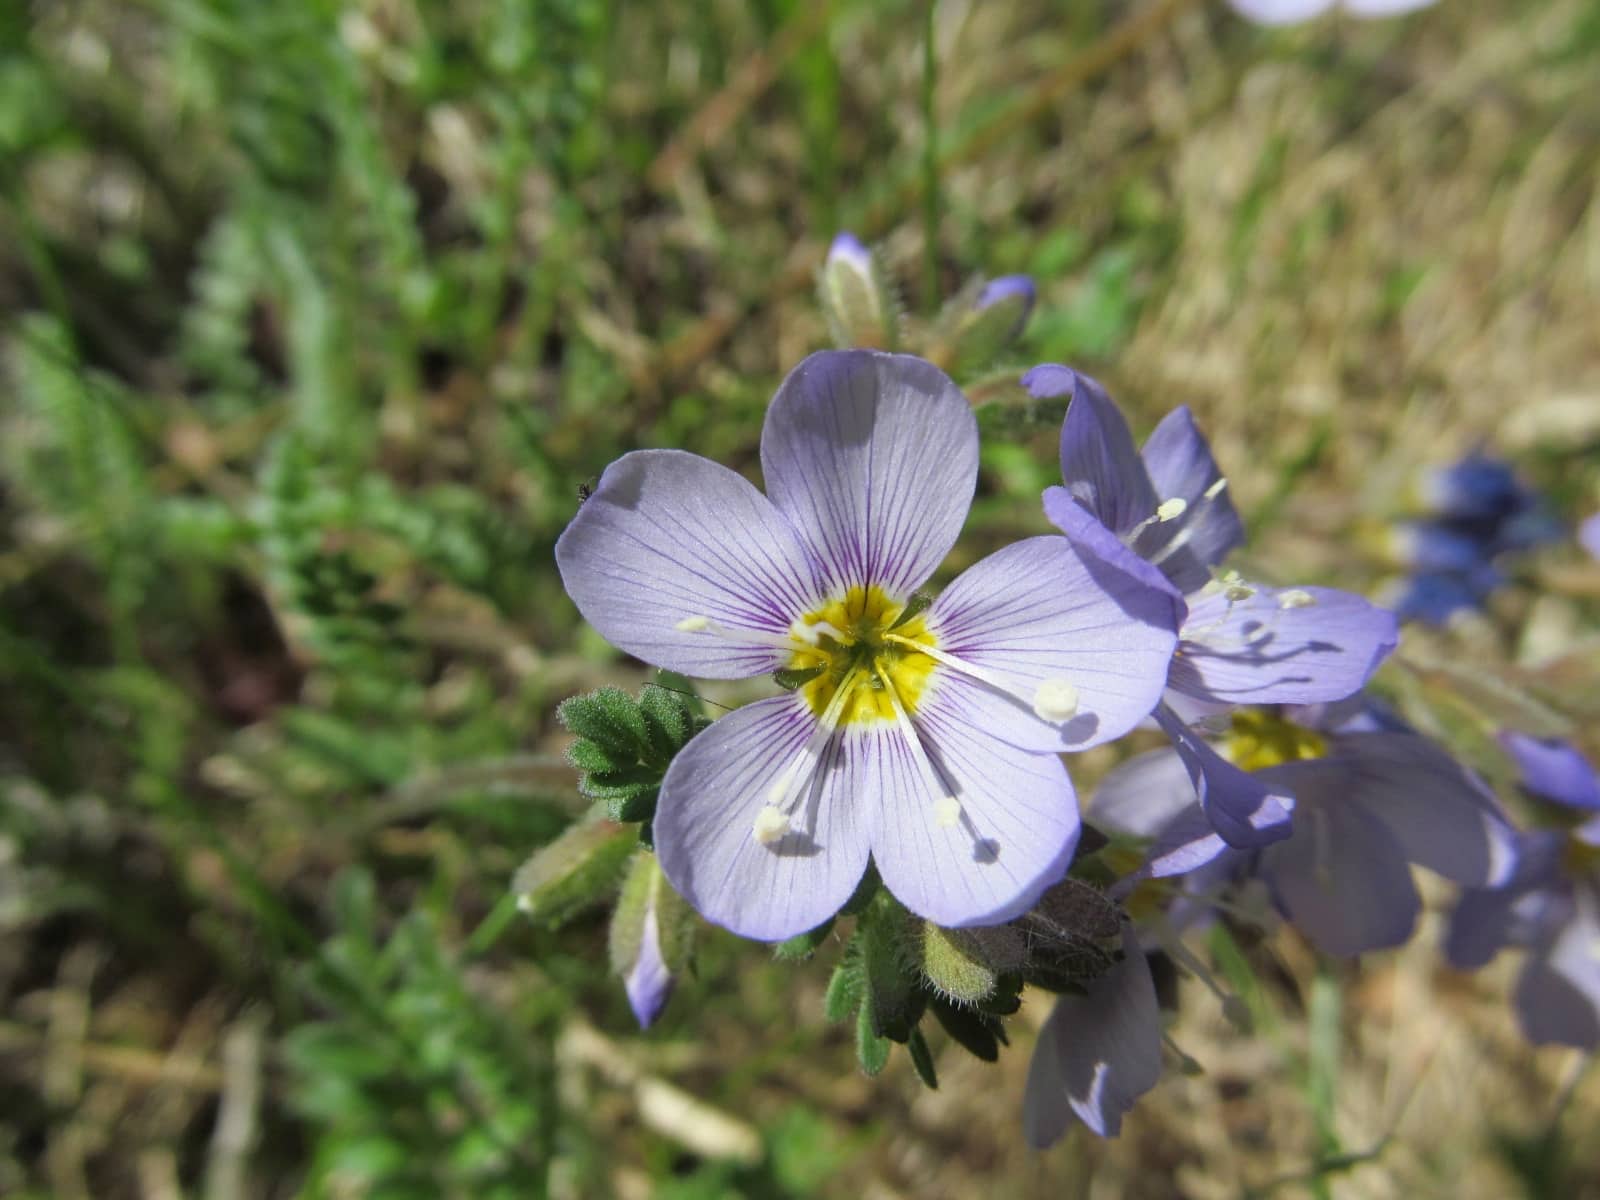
850	649
1259	739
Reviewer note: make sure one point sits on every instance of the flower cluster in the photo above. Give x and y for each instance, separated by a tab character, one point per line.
907	770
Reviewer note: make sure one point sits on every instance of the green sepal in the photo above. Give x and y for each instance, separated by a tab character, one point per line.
590	756
922	1060
886	938
965	965
980	1034
803	945
610	718
793	678
578	869
846	987
872	1051
646	891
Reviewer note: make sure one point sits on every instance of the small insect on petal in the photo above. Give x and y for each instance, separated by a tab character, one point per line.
1055	700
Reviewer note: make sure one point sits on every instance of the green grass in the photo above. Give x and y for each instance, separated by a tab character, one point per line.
316	317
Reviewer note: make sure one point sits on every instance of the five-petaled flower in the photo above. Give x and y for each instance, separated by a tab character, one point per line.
1241	643
1372	796
924	740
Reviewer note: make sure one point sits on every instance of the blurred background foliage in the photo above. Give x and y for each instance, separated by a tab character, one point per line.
317	317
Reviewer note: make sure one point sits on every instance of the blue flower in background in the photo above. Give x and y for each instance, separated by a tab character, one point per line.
1551	905
1241	643
1479	513
1372	798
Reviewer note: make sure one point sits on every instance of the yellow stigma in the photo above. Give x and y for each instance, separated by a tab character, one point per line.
850	644
1260	739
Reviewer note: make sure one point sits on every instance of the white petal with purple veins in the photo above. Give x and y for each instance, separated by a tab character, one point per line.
1063	649
873	457
684	564
714	793
983	859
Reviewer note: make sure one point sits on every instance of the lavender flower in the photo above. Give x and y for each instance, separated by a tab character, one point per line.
1241	643
926	739
1550	907
1370	801
1589	535
1097	1053
1293	12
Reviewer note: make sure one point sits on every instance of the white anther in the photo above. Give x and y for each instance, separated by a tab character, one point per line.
1171	510
947	812
1238	591
771	826
1296	598
693	625
1055	700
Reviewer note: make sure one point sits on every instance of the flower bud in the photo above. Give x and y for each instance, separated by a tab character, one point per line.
980	323
855	297
576	870
964	965
651	931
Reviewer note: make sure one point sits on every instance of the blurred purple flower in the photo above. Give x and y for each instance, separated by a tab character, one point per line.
1550	907
1589	535
1480	513
1097	1053
1293	12
1370	801
649	981
1240	643
927	741
848	249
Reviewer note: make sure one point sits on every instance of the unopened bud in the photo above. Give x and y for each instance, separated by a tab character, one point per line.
650	936
965	964
576	870
978	327
855	297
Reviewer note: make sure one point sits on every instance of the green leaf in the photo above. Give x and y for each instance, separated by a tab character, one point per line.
871	1050
667	720
885	939
922	1059
611	719
590	756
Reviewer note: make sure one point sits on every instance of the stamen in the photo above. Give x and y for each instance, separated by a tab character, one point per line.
1234	1009
771	826
780	796
1186	534
700	623
1055	700
947	809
